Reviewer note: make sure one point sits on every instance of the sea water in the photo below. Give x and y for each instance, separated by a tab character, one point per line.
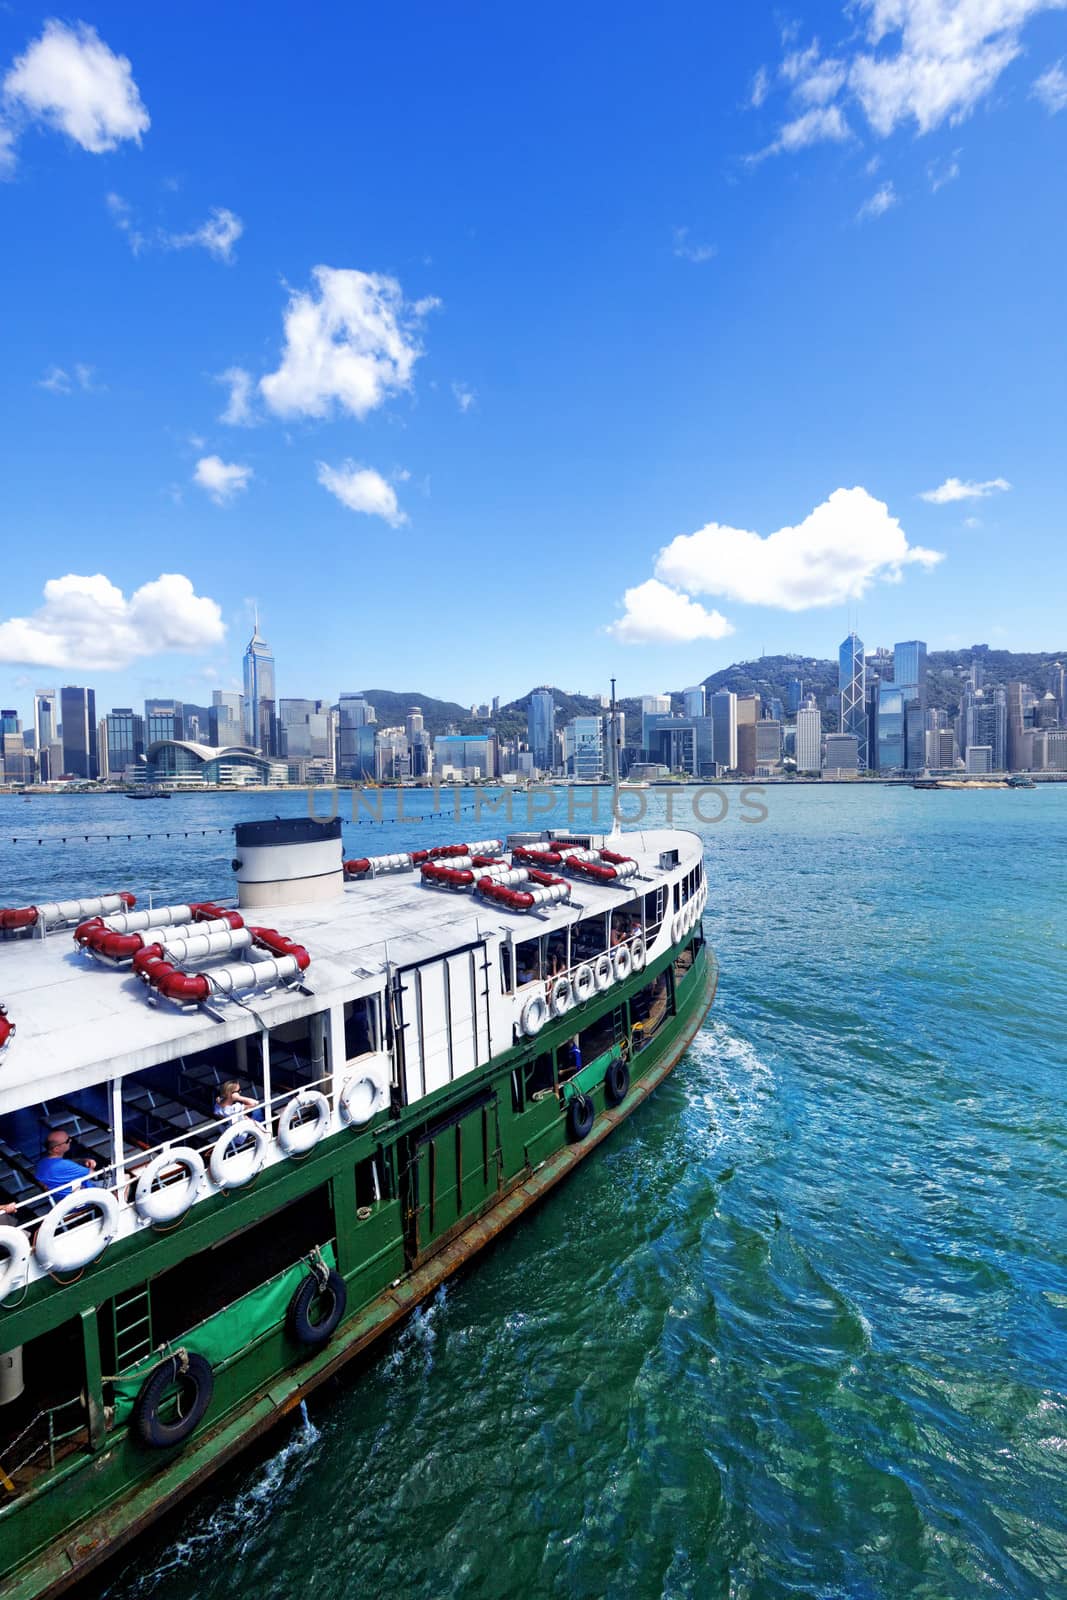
799	1329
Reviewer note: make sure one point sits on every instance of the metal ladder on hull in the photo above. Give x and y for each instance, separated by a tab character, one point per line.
132	1327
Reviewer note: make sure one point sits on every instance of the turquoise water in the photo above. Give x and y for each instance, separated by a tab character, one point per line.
798	1331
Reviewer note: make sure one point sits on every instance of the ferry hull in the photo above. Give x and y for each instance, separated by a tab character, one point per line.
92	1535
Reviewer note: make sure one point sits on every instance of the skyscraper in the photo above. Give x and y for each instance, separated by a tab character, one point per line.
541	729
852	684
226	718
125	739
78	712
909	668
724	728
355	738
260	718
809	736
163	719
694	701
892	749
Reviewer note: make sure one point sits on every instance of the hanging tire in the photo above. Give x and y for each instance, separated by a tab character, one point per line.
616	1083
152	1421
580	1116
298	1319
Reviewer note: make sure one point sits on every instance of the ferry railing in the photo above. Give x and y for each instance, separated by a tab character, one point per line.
43	1435
547	981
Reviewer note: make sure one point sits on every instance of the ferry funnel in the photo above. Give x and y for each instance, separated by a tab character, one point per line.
288	861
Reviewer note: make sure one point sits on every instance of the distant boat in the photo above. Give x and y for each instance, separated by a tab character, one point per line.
1019	780
150	791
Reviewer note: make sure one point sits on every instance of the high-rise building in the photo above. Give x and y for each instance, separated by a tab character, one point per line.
842	753
420	745
473	754
226	718
163	719
724	728
9	722
15	761
909	668
125	741
1057	682
794	695
748	710
768	744
980	759
852	686
1018	753
78	714
984	721
809	736
261	726
305	730
46	732
892	749
694	701
356	720
541	729
583	748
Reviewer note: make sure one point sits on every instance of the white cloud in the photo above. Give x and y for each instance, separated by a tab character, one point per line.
349	342
656	614
688	251
833	556
922	61
222	479
7	151
238	412
881	201
972	522
362	489
59	381
761	86
940	173
217	235
69	80
1051	88
465	397
88	624
957	489
122	216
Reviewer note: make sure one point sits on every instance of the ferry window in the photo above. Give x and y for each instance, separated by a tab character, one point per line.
298	1053
556	953
505	969
655	905
683	961
625	921
539	1078
360	1029
650	1008
589	937
372	1182
677	896
528	963
598	1038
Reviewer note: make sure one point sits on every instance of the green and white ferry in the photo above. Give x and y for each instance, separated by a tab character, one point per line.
423	1045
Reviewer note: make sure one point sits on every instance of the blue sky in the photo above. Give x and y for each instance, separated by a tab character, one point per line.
543	323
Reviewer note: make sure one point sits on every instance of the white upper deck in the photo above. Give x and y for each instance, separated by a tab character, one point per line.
78	1021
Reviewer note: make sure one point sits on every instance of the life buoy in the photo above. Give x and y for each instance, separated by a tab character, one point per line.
191	1376
361	1099
232	1164
638	953
622	962
584	983
14	1259
616	1082
297	1136
307	1323
62	1248
603	972
580	1116
534	1015
562	997
175	1194
676	927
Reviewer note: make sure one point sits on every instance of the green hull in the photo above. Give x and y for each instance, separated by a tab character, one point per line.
466	1162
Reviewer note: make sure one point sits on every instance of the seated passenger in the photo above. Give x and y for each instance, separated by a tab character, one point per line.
231	1103
55	1167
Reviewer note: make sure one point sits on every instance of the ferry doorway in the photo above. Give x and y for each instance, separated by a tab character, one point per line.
455	1171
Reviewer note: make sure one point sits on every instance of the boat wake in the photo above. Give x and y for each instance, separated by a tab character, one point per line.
727	1084
235	1525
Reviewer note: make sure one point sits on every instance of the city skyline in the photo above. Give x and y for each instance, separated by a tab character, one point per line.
764	447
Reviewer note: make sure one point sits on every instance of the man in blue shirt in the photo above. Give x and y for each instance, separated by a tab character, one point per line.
55	1167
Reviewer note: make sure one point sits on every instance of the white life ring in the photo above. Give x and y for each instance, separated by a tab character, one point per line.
687	916
638	954
361	1099
561	997
297	1137
171	1200
231	1168
623	962
534	1015
603	973
14	1258
68	1251
676	927
584	983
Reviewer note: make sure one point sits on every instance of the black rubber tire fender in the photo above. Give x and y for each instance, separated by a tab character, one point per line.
193	1376
298	1317
580	1116
616	1083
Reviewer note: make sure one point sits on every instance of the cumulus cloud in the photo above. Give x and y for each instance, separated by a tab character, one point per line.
881	201
87	623
1051	88
464	397
69	80
217	235
362	489
833	556
238	411
222	479
688	250
350	342
958	489
925	62
656	614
